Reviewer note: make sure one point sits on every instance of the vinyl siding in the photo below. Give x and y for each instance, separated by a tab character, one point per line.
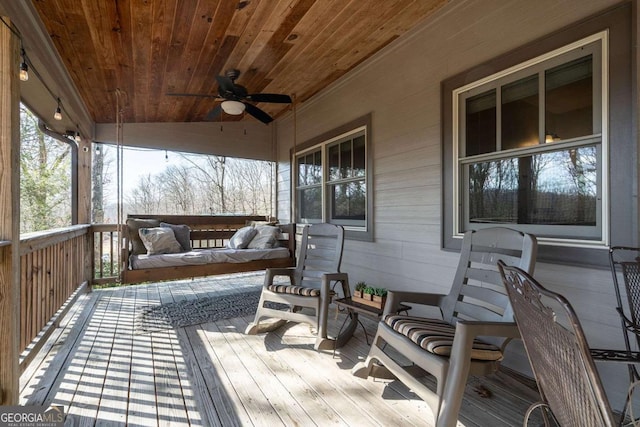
400	87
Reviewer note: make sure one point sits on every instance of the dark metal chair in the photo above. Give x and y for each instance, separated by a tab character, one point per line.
560	357
625	262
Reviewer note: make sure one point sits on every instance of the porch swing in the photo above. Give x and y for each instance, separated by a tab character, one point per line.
169	247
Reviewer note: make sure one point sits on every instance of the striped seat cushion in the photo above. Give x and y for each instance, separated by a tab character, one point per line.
436	336
294	290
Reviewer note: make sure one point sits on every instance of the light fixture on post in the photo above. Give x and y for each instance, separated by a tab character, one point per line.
58	114
24	68
73	134
234	108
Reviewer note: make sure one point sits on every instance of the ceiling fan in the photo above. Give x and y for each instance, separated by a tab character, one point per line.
235	98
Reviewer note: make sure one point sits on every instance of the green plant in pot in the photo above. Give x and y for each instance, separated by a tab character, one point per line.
360	286
368	292
380	292
380	296
370	295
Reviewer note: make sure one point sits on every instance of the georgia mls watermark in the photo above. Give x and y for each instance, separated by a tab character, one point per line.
31	416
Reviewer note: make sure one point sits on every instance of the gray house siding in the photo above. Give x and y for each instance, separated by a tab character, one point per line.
400	87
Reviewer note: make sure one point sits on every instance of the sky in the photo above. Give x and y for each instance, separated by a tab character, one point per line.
137	163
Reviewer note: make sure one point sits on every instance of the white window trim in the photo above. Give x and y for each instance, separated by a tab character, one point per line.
603	38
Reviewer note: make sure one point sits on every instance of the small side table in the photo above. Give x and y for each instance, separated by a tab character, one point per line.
355	308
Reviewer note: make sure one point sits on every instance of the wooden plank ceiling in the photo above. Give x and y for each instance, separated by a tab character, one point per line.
147	48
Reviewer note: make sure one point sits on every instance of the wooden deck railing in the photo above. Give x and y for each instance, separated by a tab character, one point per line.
55	266
106	244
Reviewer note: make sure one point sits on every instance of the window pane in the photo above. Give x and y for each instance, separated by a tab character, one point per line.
359	157
302	171
349	200
492	191
555	188
345	159
480	135
310	203
569	99
520	113
316	170
334	162
310	169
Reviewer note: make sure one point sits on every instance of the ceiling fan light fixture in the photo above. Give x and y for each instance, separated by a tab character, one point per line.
234	108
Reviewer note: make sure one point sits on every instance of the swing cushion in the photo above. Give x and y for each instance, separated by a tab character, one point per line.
160	240
182	233
266	237
134	225
242	238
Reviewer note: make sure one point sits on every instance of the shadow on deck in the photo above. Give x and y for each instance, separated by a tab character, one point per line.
103	370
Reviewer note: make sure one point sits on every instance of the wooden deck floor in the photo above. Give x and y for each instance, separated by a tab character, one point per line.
105	373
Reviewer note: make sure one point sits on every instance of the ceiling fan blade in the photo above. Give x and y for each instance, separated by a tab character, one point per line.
215	112
270	97
258	113
225	85
201	95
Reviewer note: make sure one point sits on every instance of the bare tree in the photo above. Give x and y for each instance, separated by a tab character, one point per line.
146	197
252	181
212	172
178	189
101	178
205	184
45	178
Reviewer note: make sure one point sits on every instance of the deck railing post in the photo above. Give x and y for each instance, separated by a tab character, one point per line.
89	259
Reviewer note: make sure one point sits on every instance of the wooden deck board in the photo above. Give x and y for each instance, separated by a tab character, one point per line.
347	394
142	409
213	405
240	381
268	374
115	395
64	334
106	373
89	368
171	407
299	391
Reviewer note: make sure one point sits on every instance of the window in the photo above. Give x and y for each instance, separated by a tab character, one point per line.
543	139
530	151
332	179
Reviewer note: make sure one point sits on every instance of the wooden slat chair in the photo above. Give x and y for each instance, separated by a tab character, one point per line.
470	337
567	378
310	286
